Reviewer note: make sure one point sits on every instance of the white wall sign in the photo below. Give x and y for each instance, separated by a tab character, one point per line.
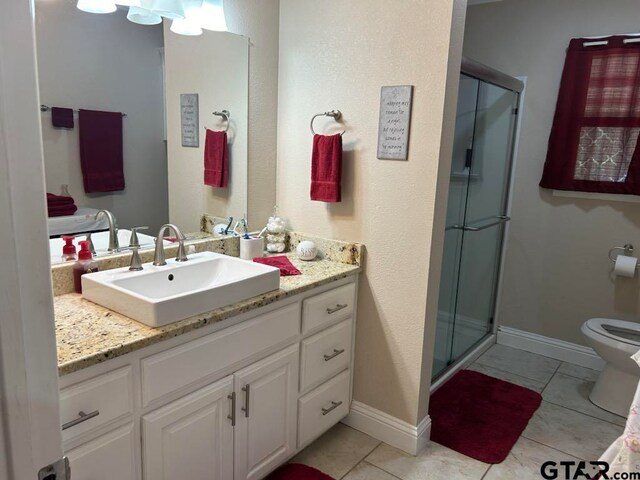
189	119
395	122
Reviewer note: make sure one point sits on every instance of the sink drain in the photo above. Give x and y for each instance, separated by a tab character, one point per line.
170	277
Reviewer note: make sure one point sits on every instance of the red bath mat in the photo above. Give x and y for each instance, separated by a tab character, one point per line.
481	416
297	471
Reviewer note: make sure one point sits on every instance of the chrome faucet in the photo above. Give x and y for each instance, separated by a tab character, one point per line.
114	245
158	258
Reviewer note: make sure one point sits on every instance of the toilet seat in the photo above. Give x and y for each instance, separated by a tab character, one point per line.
618	330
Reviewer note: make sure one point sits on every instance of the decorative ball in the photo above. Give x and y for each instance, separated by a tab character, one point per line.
307	250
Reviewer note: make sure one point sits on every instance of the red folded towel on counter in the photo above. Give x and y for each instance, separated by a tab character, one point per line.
282	262
326	168
54	200
101	151
60	205
61	210
216	159
62	117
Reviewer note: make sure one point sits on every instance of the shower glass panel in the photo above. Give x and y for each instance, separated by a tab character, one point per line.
476	215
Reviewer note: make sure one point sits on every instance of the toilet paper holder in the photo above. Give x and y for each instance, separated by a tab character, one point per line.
626	250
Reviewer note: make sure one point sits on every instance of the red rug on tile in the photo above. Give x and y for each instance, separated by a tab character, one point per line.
297	471
480	416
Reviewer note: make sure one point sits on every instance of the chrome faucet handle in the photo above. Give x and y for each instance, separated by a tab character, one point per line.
136	262
133	240
92	248
181	256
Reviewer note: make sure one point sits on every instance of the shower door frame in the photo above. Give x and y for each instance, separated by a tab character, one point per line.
489	75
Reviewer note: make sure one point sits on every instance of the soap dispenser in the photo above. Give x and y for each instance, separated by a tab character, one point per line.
85	264
69	249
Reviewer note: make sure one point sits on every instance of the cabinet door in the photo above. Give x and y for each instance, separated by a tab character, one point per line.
265	433
191	438
107	457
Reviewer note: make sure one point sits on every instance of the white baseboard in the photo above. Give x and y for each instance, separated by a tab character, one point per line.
550	347
388	429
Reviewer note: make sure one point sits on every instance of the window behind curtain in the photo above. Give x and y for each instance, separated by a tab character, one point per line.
593	145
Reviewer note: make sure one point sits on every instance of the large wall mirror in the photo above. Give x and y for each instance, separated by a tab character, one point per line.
106	63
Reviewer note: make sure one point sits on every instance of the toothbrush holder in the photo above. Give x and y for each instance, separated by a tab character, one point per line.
251	248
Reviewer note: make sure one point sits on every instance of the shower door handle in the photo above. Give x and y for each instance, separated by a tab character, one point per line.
500	219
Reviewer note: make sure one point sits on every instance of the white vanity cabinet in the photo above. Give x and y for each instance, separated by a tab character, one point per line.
230	401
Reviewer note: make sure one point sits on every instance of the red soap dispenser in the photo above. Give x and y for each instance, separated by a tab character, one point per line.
69	249
85	264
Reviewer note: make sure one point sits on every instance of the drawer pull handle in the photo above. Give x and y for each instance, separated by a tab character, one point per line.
82	417
333	406
337	308
232	417
247	397
335	353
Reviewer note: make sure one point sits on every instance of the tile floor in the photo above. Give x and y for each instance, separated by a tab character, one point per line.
567	426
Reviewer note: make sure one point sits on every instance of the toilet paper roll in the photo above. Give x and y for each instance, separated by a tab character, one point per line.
625	266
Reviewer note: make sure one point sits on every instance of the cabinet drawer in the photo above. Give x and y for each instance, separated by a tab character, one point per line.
328	307
322	408
111	456
111	395
325	354
181	366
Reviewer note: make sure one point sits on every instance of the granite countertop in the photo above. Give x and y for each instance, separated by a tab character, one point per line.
88	334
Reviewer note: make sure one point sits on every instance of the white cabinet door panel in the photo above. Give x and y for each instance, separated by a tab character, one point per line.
191	438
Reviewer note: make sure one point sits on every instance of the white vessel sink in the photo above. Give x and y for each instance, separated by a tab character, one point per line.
157	296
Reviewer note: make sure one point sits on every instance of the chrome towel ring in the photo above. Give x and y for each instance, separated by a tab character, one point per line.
335	114
225	116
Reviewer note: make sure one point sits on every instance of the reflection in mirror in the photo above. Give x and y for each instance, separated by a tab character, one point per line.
134	165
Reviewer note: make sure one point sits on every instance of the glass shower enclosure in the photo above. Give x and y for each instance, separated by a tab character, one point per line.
477	211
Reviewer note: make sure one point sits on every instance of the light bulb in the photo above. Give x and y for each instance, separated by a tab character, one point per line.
172	9
96	6
142	16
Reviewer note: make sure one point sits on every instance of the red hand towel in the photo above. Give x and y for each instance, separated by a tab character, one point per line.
326	168
282	262
62	117
101	151
58	200
61	210
216	159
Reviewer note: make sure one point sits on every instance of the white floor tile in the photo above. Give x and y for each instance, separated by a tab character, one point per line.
525	364
578	371
525	460
573	393
571	432
337	451
507	376
435	463
366	471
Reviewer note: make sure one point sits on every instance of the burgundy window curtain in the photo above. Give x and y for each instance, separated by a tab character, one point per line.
593	146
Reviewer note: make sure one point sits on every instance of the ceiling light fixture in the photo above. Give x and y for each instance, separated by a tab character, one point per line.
96	6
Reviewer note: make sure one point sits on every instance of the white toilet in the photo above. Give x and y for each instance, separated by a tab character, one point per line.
615	341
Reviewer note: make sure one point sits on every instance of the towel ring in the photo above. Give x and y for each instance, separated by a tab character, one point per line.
335	114
225	116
